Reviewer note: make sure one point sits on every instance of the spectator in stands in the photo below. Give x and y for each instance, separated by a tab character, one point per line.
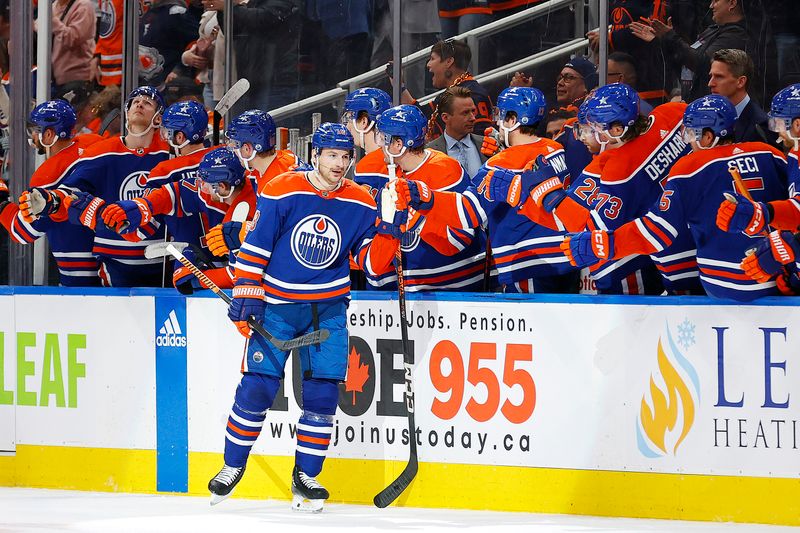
73	25
577	77
458	16
165	30
448	65
458	112
621	68
727	31
266	37
346	42
101	115
655	76
556	119
730	75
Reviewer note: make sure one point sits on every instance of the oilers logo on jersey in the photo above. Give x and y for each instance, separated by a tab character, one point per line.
107	19
133	186
409	241
316	241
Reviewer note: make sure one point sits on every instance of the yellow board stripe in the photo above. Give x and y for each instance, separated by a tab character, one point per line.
454	486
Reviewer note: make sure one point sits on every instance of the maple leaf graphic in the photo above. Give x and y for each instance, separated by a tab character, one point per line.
357	374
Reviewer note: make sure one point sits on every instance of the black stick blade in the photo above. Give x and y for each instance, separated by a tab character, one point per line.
396	488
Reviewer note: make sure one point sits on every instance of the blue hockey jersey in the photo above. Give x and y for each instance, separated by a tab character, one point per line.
302	239
692	196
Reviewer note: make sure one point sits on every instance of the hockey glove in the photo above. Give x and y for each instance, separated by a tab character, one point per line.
546	188
789	283
390	220
183	279
779	248
588	247
491	142
223	238
85	209
126	216
415	194
743	215
501	185
248	301
38	202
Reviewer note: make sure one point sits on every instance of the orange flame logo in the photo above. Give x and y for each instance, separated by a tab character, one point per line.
666	419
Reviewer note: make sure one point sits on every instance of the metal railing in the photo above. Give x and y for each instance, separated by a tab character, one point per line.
337	94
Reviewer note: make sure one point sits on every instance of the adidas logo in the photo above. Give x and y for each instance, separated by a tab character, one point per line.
663	133
550	150
170	333
737	151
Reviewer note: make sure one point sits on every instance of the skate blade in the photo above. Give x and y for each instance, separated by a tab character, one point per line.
216	498
302	505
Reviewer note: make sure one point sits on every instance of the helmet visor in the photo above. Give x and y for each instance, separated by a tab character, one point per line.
779	125
691	135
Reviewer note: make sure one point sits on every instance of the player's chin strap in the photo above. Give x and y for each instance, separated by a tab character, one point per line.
45	146
362	132
245	161
232	189
506	131
147	129
177	147
617	138
392	166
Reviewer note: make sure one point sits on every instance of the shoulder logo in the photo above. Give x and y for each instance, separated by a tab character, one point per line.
170	334
550	150
316	241
737	150
133	185
663	133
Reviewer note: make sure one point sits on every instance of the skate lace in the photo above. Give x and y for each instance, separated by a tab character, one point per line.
308	481
227	474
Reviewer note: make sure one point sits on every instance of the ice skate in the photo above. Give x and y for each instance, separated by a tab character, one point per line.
308	495
221	486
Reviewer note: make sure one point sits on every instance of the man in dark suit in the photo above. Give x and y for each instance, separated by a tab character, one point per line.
730	75
457	109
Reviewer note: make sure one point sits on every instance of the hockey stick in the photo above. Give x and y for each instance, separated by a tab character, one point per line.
227	101
396	487
315	337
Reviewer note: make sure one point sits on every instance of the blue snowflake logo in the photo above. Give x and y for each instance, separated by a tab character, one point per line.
686	334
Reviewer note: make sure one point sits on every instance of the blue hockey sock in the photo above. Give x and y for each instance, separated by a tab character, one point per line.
254	396
320	397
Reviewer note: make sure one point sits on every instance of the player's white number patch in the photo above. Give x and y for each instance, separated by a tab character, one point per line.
316	241
133	185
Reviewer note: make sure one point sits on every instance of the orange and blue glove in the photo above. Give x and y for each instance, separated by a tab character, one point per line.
223	238
38	202
772	254
248	302
743	215
587	248
127	216
414	194
85	209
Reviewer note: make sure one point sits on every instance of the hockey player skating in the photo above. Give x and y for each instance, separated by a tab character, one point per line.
292	273
108	171
50	132
695	184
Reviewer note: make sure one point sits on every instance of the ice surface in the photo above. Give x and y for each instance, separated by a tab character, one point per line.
38	510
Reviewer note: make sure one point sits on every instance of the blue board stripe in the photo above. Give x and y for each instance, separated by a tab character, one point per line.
172	431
